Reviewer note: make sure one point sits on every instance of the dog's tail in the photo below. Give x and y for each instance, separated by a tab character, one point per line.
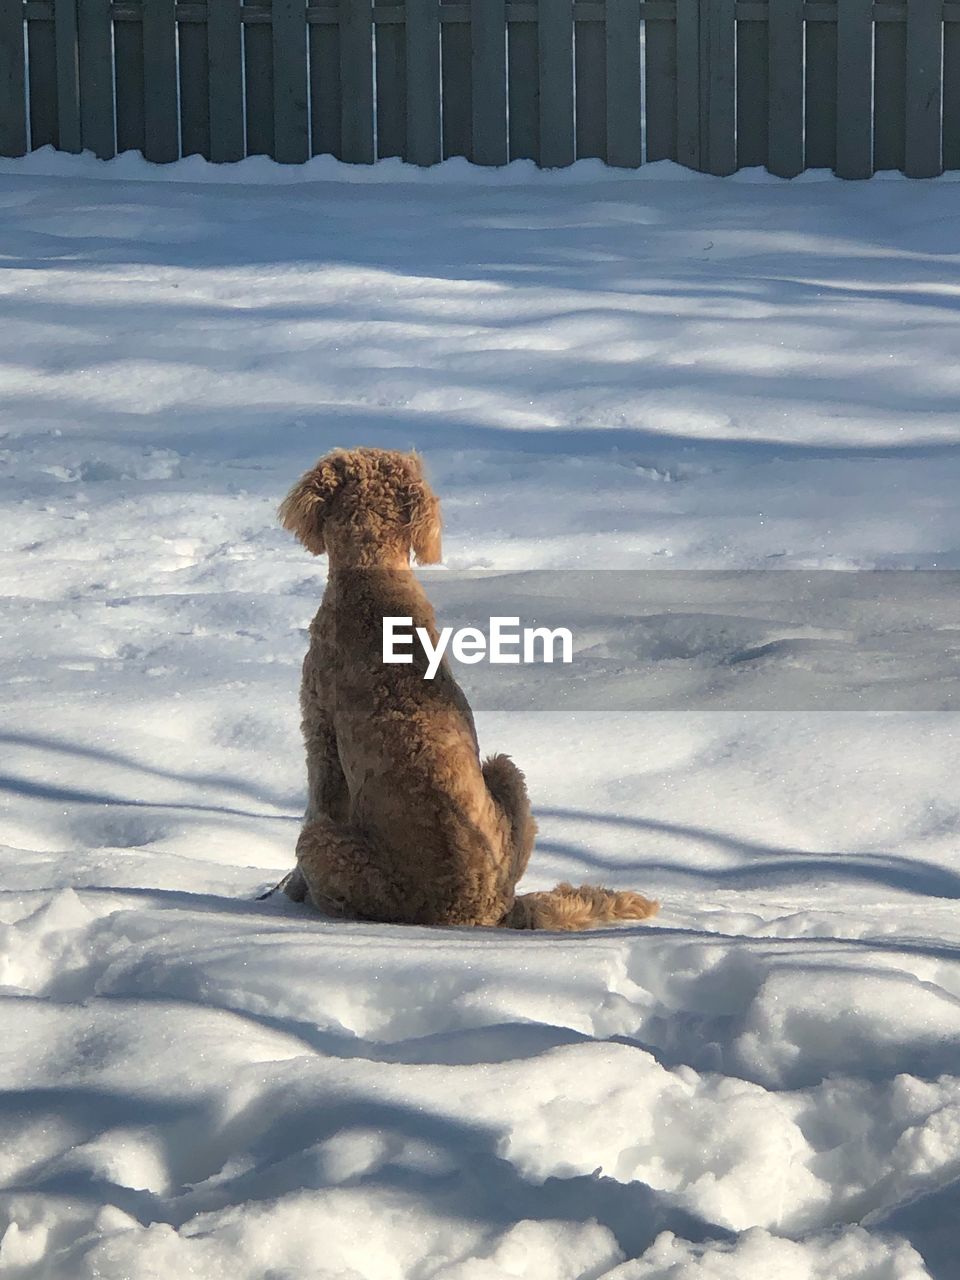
570	909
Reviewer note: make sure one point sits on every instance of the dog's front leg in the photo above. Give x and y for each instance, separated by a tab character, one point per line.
327	792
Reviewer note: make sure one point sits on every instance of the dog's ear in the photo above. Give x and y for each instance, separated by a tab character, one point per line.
425	522
304	509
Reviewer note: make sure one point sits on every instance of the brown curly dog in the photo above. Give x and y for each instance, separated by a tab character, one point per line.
404	824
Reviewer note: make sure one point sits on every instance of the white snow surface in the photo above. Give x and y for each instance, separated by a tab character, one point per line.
601	372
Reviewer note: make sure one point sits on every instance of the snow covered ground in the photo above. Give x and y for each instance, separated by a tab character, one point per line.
650	374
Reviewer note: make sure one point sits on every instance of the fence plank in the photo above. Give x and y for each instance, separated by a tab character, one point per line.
290	82
423	82
854	88
590	91
456	63
924	89
258	86
161	111
390	70
753	94
325	87
624	84
720	108
889	87
68	75
96	76
356	78
555	47
291	135
225	37
660	66
689	62
194	94
785	139
951	95
821	95
42	61
489	106
129	96
13	105
523	76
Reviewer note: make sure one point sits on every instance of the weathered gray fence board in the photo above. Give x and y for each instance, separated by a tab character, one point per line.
555	30
160	109
856	85
356	79
423	82
68	75
821	94
13	105
951	95
42	61
785	137
854	89
456	89
227	141
660	67
128	86
489	104
720	107
922	148
624	84
194	92
258	87
290	107
523	78
391	82
324	41
753	96
691	131
889	62
96	77
590	70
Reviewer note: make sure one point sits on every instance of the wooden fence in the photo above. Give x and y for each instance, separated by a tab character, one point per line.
854	86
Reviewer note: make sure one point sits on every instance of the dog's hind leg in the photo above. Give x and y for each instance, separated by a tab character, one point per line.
341	877
507	785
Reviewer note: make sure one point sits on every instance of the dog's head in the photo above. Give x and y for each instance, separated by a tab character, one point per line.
371	504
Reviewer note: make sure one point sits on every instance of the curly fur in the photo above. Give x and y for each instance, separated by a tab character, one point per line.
404	823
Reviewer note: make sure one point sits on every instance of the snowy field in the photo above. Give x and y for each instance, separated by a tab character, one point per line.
646	374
